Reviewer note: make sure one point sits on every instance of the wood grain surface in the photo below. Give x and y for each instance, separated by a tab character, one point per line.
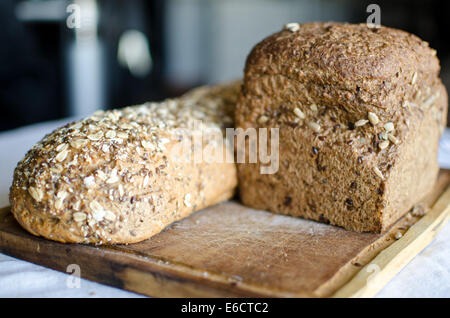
231	250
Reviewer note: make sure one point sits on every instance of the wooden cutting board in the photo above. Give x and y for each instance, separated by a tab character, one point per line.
231	250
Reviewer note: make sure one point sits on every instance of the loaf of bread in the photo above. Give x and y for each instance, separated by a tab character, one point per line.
120	177
359	113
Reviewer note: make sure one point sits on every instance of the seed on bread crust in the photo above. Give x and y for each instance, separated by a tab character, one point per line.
314	126
299	113
378	172
414	78
36	193
384	144
110	216
78	143
61	156
89	181
263	119
187	200
113	178
373	118
58	204
147	144
61	147
79	216
361	122
393	139
389	126
292	26
95	136
110	134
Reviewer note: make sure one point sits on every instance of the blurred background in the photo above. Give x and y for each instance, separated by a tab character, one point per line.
69	58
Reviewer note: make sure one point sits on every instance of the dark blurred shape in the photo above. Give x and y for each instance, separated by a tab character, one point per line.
426	19
128	52
30	90
145	17
49	70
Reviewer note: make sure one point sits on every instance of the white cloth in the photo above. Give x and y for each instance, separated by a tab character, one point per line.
427	275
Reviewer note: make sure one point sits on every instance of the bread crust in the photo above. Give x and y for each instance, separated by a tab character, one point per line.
318	85
116	177
349	65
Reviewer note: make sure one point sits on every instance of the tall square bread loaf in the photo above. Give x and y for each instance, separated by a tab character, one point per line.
359	113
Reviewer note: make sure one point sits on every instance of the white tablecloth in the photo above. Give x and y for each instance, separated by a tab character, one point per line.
427	275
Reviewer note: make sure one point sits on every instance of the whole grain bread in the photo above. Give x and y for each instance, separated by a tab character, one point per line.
359	113
118	177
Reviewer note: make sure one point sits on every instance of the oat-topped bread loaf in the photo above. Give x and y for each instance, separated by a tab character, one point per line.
119	176
359	112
